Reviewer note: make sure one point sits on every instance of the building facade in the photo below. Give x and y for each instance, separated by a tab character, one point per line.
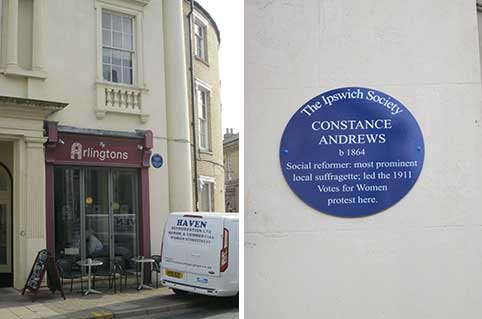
205	108
231	170
89	90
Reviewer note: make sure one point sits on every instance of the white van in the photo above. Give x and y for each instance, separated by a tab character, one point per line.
200	253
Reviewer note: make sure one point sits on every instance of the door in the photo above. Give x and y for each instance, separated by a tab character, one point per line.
6	268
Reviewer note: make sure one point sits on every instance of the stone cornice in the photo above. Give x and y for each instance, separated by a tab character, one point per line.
31	108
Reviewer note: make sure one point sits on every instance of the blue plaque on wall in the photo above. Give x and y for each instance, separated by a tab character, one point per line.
352	152
156	160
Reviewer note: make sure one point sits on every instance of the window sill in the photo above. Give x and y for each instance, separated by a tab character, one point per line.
203	61
121	85
207	152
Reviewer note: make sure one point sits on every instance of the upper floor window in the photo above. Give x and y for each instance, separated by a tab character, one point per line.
229	167
203	107
117	47
207	194
200	40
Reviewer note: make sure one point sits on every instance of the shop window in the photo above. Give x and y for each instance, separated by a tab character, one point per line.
207	194
117	47
200	40
203	117
96	211
67	212
3	234
3	183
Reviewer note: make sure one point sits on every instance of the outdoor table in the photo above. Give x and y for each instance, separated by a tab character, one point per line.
89	263
142	261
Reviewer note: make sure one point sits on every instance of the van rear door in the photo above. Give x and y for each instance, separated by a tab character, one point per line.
195	244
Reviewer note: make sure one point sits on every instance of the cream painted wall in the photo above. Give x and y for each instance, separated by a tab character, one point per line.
422	257
210	164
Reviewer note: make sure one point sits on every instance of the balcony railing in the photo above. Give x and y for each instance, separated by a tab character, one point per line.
119	99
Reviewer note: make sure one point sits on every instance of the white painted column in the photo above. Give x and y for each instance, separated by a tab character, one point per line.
12	33
37	35
29	206
19	242
179	148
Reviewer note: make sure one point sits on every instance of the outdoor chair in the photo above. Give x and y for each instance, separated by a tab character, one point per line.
106	270
124	268
70	270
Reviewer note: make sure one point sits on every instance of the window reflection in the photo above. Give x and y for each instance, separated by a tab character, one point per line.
85	223
67	211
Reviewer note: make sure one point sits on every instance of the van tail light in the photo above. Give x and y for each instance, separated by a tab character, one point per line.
225	251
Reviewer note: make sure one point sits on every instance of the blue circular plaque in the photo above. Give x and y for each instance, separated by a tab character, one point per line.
352	152
157	160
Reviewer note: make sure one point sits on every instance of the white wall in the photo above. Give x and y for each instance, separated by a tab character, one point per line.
422	258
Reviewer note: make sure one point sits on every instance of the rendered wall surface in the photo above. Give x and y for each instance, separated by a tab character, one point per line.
422	257
210	163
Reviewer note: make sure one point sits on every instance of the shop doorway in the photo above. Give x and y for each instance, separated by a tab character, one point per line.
96	214
6	242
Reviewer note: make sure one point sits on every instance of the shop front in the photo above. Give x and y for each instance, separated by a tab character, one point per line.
97	194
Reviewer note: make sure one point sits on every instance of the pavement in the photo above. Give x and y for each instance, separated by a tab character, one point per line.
127	304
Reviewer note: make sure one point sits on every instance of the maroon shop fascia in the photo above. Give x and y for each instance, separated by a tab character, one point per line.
86	150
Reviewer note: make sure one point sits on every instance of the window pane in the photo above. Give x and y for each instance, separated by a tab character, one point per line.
3	234
107	56
202	104
211	197
204	96
107	37
106	21
96	192
67	211
106	71
117	57
198	30
117	23
117	39
198	45
127	75
125	211
127	59
3	183
116	74
127	44
205	197
203	134
127	25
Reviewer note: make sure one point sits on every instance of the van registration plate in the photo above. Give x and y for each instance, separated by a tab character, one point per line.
175	274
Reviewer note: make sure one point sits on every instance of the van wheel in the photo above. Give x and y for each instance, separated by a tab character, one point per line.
180	292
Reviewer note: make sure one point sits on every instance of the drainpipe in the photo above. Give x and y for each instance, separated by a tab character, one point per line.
193	120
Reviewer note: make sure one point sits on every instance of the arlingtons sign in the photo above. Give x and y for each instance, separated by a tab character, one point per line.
352	152
79	149
77	152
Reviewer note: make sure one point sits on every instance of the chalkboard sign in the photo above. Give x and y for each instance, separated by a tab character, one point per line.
44	262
